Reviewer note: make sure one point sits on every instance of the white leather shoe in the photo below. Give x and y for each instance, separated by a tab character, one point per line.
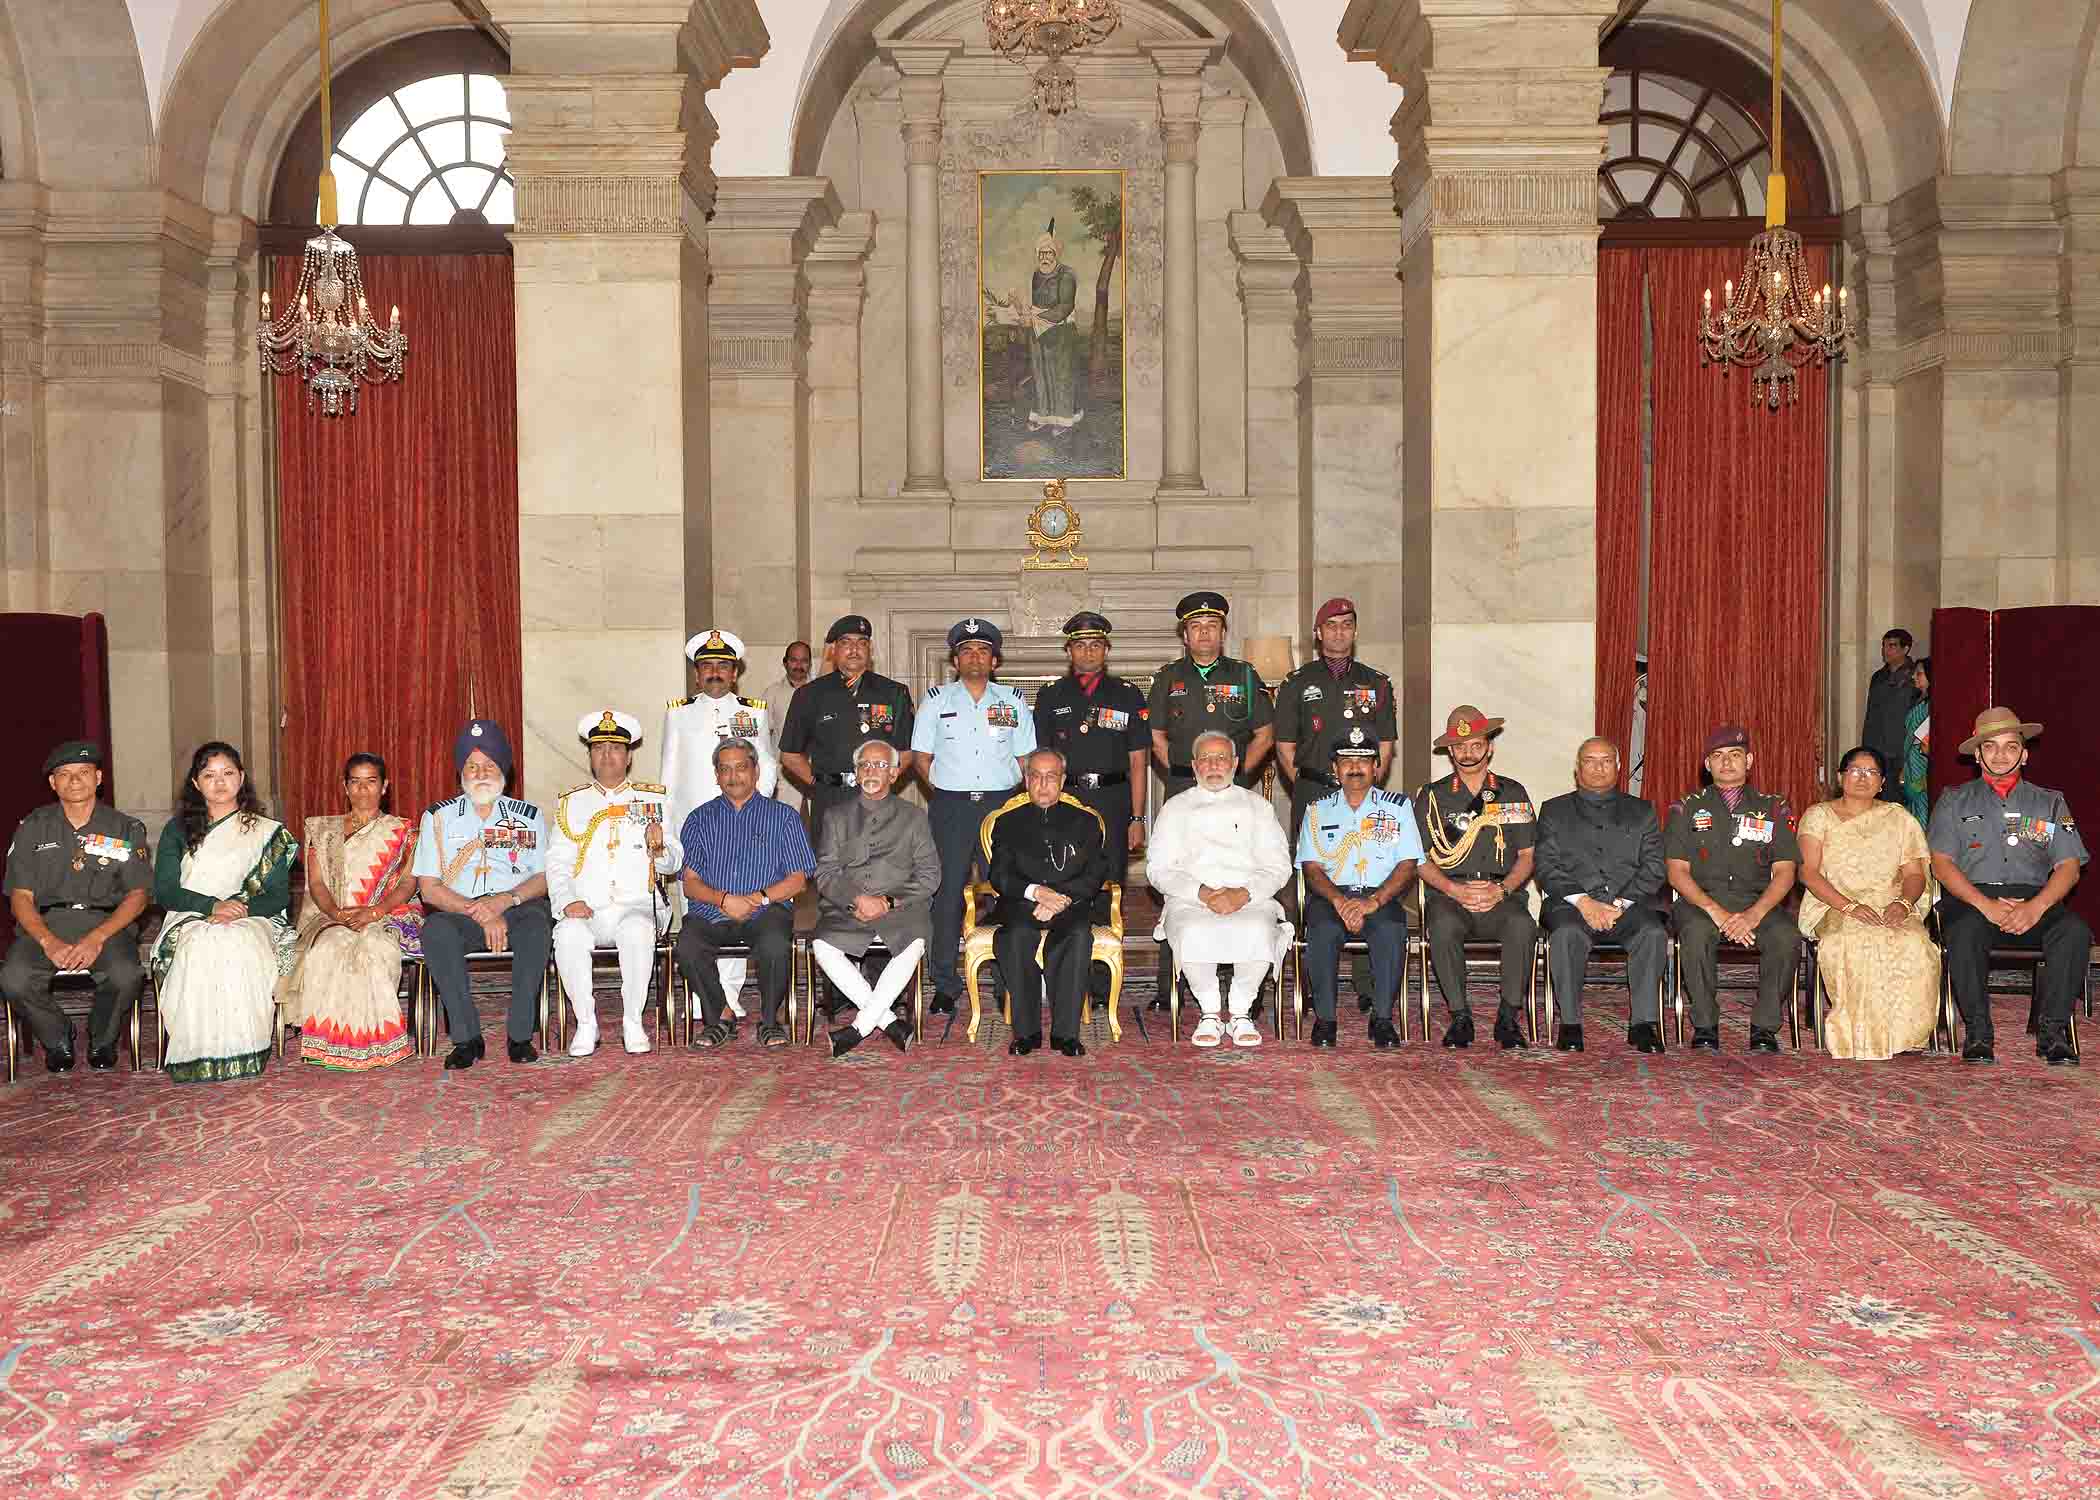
1245	1033
585	1042
636	1035
1209	1032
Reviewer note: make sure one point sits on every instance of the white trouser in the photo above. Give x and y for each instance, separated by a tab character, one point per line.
874	1008
1246	984
732	971
629	927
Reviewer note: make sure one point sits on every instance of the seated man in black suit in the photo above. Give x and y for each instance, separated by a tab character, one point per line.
1600	861
1048	856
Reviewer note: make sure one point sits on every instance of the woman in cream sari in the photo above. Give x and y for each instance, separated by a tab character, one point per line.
1863	863
360	918
224	876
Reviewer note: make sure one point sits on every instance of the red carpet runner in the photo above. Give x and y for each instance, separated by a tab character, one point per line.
1152	1272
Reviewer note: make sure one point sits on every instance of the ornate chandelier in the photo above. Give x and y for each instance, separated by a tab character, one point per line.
1050	28
330	339
1769	321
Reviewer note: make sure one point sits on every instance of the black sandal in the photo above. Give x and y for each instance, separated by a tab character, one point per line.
772	1036
716	1034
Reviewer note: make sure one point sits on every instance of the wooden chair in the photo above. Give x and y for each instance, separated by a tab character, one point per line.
138	1057
1747	953
1950	1013
1479	954
429	1009
1608	950
813	975
1351	948
1107	949
680	988
663	1020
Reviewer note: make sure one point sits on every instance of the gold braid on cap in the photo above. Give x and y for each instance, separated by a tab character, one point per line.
1450	853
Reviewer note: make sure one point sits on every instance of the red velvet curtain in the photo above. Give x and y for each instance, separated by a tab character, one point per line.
1736	550
1961	689
1619	320
398	541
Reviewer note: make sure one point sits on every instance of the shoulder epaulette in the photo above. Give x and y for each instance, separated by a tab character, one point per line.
678	703
443	803
1391	796
521	807
752	702
572	791
648	786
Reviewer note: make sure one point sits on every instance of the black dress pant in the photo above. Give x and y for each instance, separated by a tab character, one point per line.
449	936
1062	971
1448	927
1569	940
771	934
1699	955
1385	933
2061	937
956	820
26	979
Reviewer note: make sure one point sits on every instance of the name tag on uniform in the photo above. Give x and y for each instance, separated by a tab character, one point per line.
1752	829
102	846
1002	716
1311	694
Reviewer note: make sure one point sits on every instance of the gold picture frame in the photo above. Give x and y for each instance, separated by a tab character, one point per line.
1052	376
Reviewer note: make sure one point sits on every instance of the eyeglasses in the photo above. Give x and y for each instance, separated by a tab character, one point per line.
1861	771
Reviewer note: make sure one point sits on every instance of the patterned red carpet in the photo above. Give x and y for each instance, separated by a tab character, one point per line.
1151	1272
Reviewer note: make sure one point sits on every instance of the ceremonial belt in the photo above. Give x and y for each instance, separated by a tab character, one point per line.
1094	780
942	791
74	906
1317	778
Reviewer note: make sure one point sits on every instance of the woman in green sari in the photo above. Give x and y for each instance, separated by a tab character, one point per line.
224	876
1917	743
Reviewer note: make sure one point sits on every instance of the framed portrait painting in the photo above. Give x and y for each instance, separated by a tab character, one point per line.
1050	280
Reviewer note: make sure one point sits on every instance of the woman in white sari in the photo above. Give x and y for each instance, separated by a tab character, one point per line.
224	876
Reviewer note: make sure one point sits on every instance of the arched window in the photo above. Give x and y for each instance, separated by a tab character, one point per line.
430	152
1678	150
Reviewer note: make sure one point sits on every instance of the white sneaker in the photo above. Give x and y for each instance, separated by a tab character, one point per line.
585	1042
1245	1033
636	1035
1209	1032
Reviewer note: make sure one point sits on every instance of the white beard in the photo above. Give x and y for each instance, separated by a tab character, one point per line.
483	796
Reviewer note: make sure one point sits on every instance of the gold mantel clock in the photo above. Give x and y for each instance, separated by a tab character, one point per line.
1053	531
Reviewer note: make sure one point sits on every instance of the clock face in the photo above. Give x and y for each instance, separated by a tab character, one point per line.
1055	522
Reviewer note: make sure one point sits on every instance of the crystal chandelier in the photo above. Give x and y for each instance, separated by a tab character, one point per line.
1769	322
1051	28
330	339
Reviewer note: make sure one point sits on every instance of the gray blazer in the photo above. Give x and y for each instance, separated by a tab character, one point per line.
879	849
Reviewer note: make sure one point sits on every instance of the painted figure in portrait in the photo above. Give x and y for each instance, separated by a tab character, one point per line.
1052	374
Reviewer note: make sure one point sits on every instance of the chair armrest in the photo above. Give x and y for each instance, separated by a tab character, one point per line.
1115	907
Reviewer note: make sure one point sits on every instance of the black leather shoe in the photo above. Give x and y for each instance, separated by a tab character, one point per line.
942	1005
2034	1016
1158	1003
899	1033
1070	1046
465	1054
1383	1036
1509	1030
1460	1033
1021	1046
844	1040
1978	1052
60	1061
1706	1039
2058	1054
102	1059
524	1052
1569	1040
1323	1033
1645	1037
1363	1003
1765	1041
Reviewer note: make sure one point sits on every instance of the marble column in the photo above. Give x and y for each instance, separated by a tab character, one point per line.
1180	67
922	63
610	147
1350	388
1497	191
2077	195
1271	285
762	231
836	275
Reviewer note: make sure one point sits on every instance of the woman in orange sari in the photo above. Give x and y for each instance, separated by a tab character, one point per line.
360	918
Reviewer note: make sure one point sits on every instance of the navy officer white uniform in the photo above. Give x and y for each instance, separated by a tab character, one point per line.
970	737
693	727
604	854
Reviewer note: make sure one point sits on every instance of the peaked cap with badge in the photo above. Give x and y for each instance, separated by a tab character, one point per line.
714	645
962	632
608	726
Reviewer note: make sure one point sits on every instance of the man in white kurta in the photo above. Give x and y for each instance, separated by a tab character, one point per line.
604	852
694	727
1218	857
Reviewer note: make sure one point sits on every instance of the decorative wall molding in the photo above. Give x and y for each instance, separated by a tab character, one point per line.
752	354
2004	350
1355	354
126	360
600	204
1546	200
1022	139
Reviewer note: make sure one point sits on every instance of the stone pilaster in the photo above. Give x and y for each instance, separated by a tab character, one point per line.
763	230
1496	186
2077	197
921	63
610	148
1181	65
1350	387
836	275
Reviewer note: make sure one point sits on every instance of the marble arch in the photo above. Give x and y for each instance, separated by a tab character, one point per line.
17	125
1857	74
846	44
2018	91
82	86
